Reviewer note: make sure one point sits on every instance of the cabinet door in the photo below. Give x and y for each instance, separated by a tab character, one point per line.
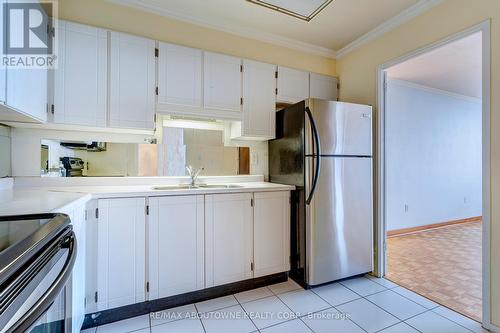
91	255
229	238
323	87
26	89
259	99
222	85
293	85
179	76
271	233
80	92
2	68
78	275
121	252
176	236
132	82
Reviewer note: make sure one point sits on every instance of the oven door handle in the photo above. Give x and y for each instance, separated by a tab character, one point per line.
44	302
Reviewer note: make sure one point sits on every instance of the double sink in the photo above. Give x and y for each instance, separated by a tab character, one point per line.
195	187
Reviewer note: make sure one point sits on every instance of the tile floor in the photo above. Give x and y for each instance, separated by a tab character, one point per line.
363	304
441	264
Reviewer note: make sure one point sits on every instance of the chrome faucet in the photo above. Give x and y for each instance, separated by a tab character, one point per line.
193	173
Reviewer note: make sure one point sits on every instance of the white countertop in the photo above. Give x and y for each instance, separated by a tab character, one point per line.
15	201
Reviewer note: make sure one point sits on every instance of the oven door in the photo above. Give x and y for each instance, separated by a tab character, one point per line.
35	300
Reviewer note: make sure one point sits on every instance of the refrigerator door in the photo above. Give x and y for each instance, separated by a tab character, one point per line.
339	220
345	129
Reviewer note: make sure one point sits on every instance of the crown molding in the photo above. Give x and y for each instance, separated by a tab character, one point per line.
437	91
232	29
392	23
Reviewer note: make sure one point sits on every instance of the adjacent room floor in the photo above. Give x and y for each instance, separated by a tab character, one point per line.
441	264
363	304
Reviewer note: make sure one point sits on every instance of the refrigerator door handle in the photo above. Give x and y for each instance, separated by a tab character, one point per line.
317	146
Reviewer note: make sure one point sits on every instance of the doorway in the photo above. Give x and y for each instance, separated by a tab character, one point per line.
433	172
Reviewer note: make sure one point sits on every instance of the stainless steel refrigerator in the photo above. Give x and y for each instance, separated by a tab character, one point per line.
324	148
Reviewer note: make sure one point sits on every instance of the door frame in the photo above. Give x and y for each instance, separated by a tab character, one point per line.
381	223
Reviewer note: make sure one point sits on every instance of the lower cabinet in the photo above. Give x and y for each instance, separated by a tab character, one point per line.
229	238
176	239
121	260
271	225
75	300
140	249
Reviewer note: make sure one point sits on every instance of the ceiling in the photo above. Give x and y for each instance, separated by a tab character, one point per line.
455	67
339	24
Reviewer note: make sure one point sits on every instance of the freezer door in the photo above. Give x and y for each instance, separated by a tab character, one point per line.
344	128
339	220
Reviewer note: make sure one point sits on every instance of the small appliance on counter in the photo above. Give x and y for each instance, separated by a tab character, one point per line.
37	255
324	148
73	166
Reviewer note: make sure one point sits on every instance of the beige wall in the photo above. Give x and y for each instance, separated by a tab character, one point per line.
108	15
357	72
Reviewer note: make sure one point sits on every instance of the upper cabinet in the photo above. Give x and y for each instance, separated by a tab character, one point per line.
23	91
180	72
222	85
259	102
80	82
3	77
323	87
292	85
132	82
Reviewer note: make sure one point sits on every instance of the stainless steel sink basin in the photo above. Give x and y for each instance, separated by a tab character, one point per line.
219	186
173	187
190	187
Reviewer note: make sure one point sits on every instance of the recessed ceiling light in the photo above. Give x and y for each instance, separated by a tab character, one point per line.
302	9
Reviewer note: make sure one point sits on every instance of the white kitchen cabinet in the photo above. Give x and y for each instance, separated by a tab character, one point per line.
121	261
222	86
80	81
132	81
229	238
176	237
77	281
180	72
323	87
25	93
292	85
91	255
259	102
3	76
271	233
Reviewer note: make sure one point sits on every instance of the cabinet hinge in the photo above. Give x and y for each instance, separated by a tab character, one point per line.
241	101
52	108
241	68
251	266
338	86
147	209
147	287
276	74
96	298
156	91
251	202
155	118
157	52
85	302
86	217
276	91
97	213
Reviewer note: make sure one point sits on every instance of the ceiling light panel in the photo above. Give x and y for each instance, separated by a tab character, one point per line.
302	9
